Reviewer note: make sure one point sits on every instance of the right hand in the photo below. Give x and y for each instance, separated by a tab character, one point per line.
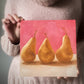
66	78
12	27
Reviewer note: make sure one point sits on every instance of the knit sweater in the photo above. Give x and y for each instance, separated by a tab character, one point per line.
31	10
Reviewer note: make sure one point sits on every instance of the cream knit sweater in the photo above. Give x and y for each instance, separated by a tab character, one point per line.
30	10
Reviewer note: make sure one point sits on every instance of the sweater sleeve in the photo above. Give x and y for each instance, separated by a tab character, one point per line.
9	48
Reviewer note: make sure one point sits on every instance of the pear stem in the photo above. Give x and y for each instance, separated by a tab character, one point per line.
64	30
35	33
45	35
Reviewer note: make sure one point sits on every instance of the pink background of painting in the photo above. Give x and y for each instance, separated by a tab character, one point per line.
53	29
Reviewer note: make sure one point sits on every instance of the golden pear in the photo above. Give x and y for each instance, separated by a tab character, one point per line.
28	53
46	53
65	53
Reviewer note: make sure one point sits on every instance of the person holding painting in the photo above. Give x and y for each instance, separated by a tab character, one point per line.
18	10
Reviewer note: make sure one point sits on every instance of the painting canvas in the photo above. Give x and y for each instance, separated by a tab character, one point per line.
48	48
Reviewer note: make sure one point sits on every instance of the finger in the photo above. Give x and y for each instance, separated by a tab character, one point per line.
6	28
65	77
77	72
6	24
18	25
59	77
11	19
21	18
5	21
16	17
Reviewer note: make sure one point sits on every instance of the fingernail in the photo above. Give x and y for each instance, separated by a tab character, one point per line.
58	77
65	77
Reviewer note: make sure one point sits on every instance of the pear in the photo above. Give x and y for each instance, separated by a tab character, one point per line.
28	53
65	53
46	53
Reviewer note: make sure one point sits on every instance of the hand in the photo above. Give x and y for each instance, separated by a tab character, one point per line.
12	27
65	78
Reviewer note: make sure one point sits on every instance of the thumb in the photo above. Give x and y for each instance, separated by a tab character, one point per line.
18	25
